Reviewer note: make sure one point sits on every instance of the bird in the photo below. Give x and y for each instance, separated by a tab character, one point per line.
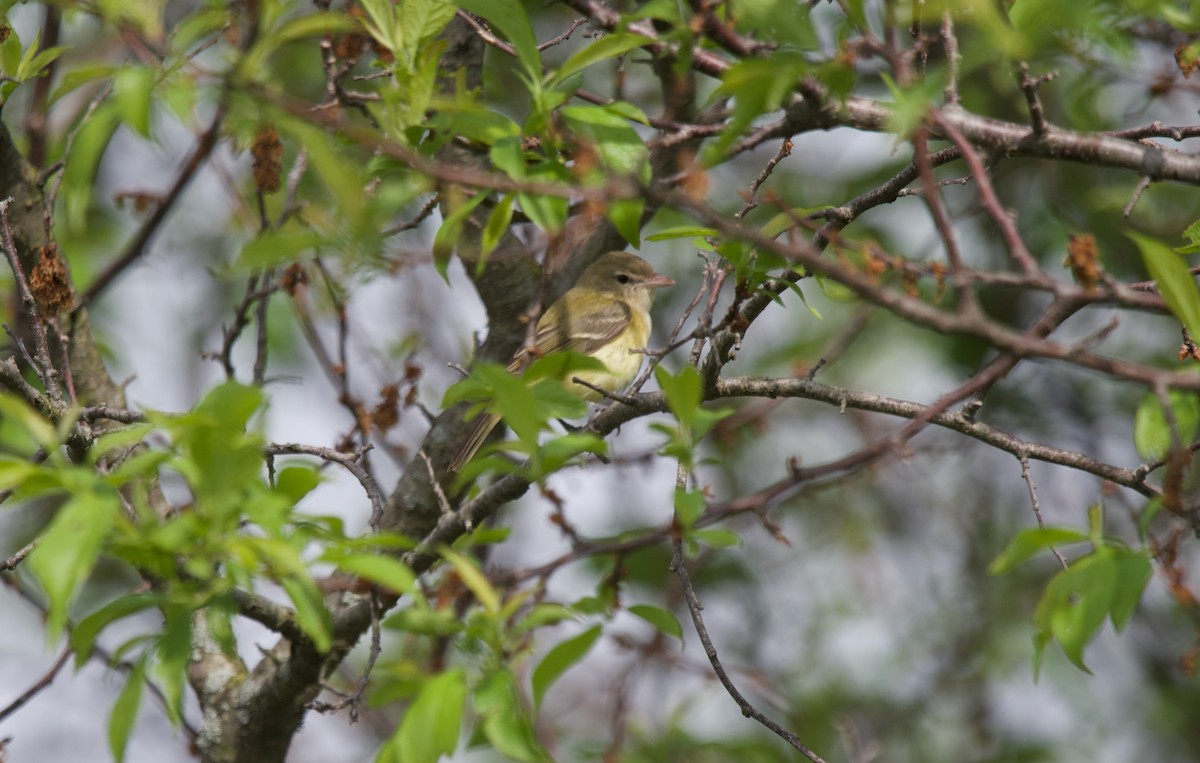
606	316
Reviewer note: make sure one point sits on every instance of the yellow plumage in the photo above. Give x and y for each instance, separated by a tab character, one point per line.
605	316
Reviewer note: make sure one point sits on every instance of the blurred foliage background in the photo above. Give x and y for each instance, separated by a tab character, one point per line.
858	611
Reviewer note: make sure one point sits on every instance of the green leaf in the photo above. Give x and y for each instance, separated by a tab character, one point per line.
628	111
1067	611
1106	584
383	24
717	538
280	246
557	452
231	404
83	635
17	472
663	620
626	216
197	25
1030	542
431	725
425	622
10	53
33	423
174	651
1174	279
527	402
474	579
328	159
475	123
619	145
684	392
508	156
911	104
684	231
779	21
542	615
548	212
1095	515
497	225
757	86
311	613
35	65
608	46
562	365
447	235
78	76
559	659
421	20
295	482
118	438
1133	573
125	710
1147	515
504	722
1192	234
382	570
1152	435
510	18
689	506
219	614
132	94
296	28
68	549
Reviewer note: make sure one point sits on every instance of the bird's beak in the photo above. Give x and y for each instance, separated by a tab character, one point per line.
657	281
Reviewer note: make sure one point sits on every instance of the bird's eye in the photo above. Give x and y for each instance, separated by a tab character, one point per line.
622	279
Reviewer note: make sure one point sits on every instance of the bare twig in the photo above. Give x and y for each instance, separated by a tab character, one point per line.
575	24
137	246
37	687
10	564
424	212
785	150
1037	507
44	366
1029	86
750	711
1142	186
349	461
953	58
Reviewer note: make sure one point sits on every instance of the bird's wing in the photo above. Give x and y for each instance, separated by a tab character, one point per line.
583	332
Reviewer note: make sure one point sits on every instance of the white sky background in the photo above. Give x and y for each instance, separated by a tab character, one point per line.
885	593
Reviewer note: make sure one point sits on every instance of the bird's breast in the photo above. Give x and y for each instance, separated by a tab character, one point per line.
621	363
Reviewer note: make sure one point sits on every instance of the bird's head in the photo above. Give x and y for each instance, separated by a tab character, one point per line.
625	274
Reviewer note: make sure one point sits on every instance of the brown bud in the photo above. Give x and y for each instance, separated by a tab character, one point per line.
48	282
267	151
1083	258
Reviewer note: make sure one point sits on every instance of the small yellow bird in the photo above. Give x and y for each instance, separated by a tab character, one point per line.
606	316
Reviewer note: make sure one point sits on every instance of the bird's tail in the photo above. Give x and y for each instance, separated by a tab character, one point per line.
483	425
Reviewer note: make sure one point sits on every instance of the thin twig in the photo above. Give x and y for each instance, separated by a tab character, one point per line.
425	211
137	246
37	687
10	564
1029	86
443	501
564	36
260	326
349	461
1033	499
964	294
785	150
45	366
748	710
1142	186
